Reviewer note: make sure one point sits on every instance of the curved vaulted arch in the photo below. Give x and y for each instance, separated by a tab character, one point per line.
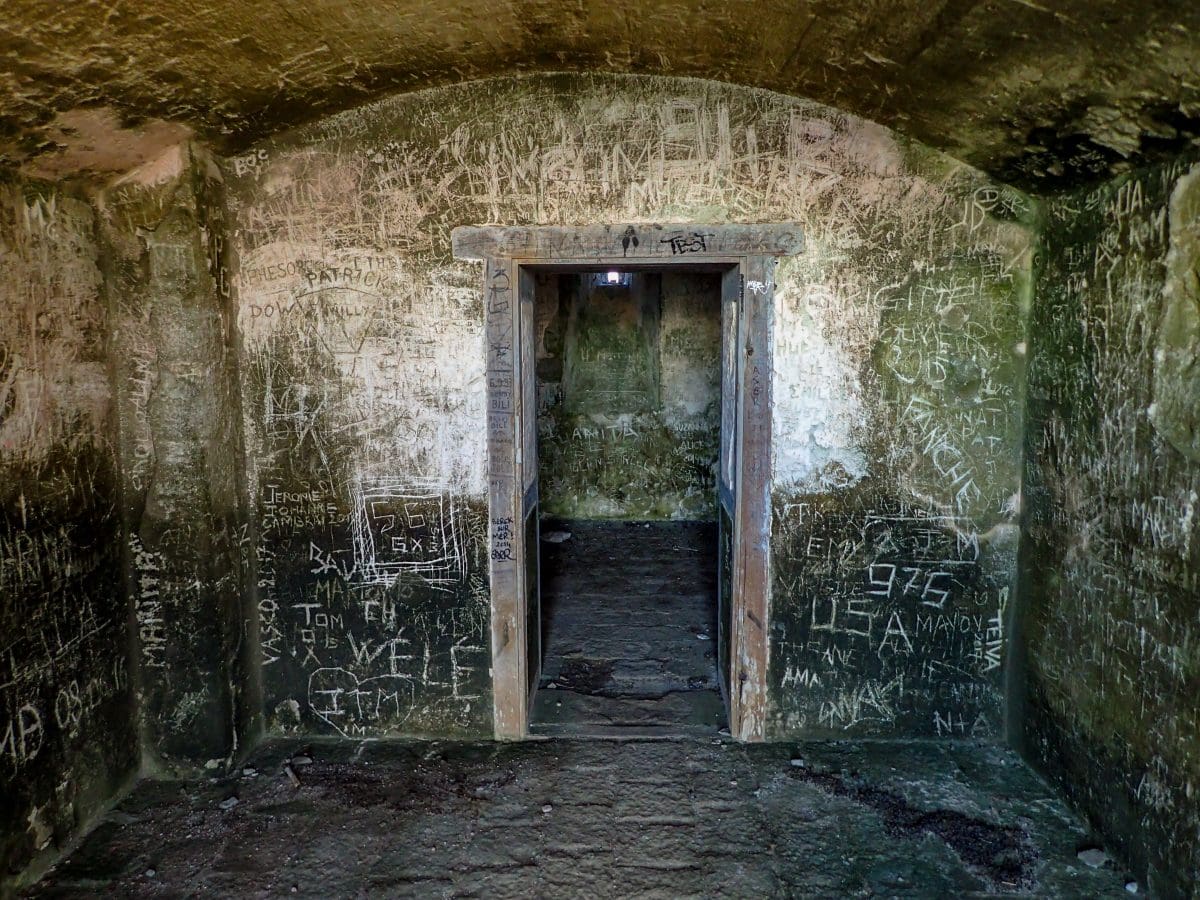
1034	93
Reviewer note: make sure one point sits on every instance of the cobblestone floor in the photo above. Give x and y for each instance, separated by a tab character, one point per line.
594	818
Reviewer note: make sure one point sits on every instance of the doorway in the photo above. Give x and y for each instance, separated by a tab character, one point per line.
628	368
744	257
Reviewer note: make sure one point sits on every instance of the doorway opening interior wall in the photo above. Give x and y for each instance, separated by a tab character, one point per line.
628	369
601	321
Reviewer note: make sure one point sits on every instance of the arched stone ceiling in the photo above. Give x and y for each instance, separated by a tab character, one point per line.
1041	93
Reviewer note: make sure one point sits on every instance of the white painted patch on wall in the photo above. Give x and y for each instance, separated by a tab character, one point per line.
406	348
818	397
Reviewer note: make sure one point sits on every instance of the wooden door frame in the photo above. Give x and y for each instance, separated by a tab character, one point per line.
505	252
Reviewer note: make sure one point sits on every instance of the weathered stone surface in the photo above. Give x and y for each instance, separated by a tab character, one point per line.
563	818
180	448
1037	93
899	335
363	396
1112	558
68	739
1176	407
897	379
899	346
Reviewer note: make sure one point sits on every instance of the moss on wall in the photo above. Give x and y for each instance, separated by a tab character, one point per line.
629	397
1112	554
67	735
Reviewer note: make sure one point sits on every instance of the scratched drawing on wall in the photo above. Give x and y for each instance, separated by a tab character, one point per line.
403	526
1115	492
67	727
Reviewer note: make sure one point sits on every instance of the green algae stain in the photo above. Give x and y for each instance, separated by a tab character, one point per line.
629	381
1176	408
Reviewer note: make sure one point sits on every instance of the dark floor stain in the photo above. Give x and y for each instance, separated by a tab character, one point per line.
587	676
439	786
1002	854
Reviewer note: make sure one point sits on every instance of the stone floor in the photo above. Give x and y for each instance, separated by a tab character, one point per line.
628	629
664	818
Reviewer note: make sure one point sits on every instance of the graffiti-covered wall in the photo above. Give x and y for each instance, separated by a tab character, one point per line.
184	516
67	733
898	371
899	350
1112	557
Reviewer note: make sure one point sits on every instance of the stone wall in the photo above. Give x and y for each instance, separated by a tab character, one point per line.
184	514
291	366
1110	627
67	729
898	385
629	396
899	348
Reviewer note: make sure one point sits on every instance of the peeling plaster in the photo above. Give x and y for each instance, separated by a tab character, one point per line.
93	141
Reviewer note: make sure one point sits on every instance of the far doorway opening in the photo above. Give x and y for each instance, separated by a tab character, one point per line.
745	256
629	416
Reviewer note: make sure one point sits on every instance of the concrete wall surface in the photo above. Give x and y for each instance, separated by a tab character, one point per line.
68	735
1110	617
898	384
